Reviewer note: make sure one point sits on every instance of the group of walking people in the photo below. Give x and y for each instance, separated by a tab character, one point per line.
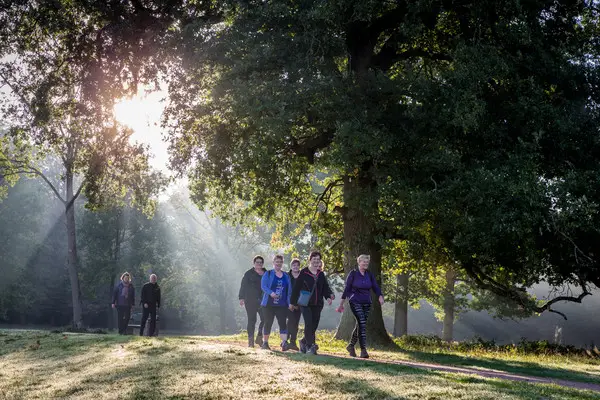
285	296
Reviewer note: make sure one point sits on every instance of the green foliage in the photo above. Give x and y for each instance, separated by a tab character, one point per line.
467	120
479	345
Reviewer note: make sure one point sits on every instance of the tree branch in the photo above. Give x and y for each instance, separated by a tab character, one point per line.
389	55
75	196
520	296
559	313
41	175
389	20
25	168
307	148
321	196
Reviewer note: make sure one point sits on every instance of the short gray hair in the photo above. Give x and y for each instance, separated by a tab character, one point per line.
365	257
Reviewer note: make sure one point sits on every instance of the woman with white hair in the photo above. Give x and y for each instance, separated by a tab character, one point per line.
358	288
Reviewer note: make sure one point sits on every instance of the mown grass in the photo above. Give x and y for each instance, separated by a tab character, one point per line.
84	366
575	367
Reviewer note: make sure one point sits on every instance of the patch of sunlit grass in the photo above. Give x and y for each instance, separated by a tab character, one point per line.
570	367
109	366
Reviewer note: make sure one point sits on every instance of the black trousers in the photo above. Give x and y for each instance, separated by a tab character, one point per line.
292	324
272	312
148	312
312	316
123	314
253	308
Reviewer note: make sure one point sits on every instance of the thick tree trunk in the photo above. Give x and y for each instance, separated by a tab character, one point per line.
72	251
449	305
401	306
359	238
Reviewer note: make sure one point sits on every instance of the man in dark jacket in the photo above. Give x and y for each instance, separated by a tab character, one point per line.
123	300
150	302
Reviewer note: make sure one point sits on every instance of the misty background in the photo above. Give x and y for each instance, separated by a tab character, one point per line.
199	262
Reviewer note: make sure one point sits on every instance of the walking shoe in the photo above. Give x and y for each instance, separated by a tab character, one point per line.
293	346
259	340
250	342
351	350
313	350
302	346
265	346
285	346
363	353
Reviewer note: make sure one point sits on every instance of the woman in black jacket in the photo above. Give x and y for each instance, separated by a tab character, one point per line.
250	297
294	313
313	280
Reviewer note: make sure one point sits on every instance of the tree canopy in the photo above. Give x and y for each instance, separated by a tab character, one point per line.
470	125
469	128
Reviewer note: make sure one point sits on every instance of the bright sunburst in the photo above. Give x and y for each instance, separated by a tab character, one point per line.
142	114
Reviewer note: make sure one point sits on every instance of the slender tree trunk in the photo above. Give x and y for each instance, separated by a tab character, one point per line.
359	238
115	257
449	306
401	306
221	298
110	318
72	250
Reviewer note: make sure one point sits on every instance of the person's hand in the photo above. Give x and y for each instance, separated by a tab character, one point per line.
329	301
145	305
381	301
332	296
273	295
241	302
292	308
113	305
340	309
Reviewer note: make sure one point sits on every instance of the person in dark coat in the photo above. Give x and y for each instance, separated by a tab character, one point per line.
311	280
294	314
124	300
250	296
150	302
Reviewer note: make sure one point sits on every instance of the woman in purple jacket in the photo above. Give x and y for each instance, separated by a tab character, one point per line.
358	288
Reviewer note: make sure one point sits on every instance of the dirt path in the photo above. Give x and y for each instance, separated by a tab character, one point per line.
462	370
483	373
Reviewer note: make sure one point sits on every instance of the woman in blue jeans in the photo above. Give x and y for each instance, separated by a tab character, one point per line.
358	288
277	290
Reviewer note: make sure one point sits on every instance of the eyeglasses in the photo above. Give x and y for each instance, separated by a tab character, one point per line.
259	262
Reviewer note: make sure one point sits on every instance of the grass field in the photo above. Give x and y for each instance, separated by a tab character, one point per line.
38	364
573	367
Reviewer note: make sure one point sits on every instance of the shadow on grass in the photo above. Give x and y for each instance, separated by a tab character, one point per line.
526	368
516	389
356	388
516	367
91	364
453	382
59	345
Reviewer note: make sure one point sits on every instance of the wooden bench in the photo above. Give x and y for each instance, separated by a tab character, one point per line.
133	329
